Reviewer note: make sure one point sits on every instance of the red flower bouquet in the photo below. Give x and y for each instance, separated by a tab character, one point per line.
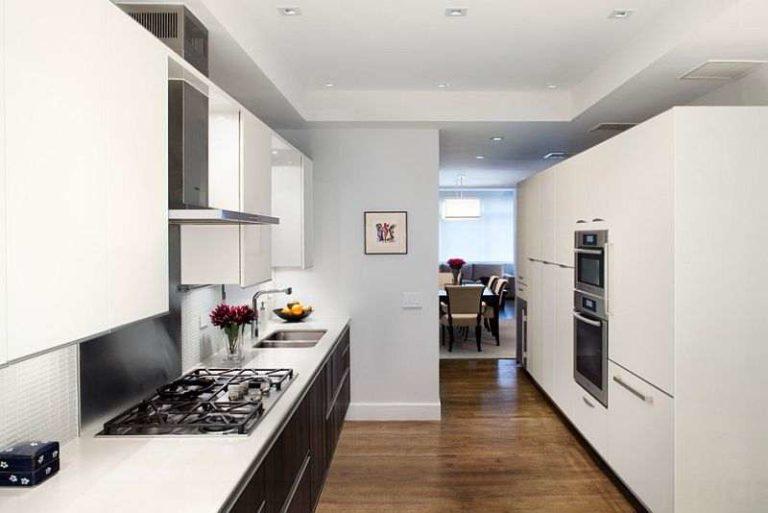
456	263
232	319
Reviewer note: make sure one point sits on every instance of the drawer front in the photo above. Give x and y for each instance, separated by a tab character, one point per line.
640	439
591	418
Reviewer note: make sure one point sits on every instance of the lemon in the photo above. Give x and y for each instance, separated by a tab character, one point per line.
297	309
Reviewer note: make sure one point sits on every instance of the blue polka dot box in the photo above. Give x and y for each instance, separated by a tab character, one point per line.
28	463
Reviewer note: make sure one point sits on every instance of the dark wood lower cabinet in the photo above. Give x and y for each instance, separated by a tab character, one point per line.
290	479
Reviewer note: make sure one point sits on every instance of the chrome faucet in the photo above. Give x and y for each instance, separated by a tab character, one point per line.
255	300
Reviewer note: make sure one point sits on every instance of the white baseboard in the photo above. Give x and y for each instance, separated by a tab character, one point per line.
393	411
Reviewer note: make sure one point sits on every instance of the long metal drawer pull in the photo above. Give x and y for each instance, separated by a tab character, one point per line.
596	324
635	392
588	251
587	402
580	221
598	220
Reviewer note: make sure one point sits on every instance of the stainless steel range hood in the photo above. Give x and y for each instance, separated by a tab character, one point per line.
188	163
217	216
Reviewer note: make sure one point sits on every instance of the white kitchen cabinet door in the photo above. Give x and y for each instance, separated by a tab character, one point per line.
309	212
563	346
535	353
641	438
3	288
292	239
85	173
57	169
135	123
547	221
548	327
641	250
256	198
591	419
565	219
521	234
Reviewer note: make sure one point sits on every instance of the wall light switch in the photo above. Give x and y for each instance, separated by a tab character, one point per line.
202	321
412	300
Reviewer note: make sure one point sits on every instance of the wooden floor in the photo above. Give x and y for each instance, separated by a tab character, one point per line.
499	448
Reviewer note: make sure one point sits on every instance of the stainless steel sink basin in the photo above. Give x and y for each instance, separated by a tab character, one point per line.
292	338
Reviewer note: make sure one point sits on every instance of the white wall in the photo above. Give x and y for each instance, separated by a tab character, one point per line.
395	357
750	90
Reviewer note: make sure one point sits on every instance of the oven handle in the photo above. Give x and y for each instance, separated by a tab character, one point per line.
588	251
596	324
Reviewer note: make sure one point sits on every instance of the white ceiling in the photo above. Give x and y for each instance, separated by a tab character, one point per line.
412	45
385	59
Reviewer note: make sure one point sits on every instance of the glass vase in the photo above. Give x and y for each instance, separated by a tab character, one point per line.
234	343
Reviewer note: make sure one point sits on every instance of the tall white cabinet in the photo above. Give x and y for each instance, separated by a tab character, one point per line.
85	173
292	202
682	196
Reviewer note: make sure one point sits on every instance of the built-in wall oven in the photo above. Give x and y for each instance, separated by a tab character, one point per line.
590	345
590	261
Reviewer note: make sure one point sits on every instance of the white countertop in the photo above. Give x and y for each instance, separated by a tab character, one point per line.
176	474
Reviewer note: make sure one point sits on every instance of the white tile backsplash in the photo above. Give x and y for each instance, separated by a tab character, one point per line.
39	398
199	343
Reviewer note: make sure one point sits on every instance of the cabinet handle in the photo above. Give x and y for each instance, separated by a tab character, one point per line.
580	221
598	220
563	266
638	394
607	286
596	324
587	401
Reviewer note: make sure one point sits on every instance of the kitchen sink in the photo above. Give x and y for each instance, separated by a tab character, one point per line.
292	338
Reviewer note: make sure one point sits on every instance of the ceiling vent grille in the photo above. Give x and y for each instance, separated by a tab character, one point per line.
164	25
722	70
612	127
556	155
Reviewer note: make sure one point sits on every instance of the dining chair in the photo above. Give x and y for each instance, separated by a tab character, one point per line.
464	310
491	314
492	282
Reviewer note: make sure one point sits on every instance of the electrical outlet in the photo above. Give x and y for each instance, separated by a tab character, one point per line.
202	321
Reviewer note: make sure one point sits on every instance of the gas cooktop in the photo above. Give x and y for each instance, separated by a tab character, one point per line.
205	402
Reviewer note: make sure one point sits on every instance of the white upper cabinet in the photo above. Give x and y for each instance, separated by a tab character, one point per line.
239	178
293	238
85	172
256	195
3	295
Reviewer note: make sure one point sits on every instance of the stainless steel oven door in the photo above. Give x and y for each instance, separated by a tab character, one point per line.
589	270
590	354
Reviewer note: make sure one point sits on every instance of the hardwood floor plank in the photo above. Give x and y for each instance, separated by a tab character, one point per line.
499	448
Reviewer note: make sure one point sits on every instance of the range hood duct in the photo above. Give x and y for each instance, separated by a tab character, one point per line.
188	163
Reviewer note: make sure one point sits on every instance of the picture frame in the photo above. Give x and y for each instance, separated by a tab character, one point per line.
385	232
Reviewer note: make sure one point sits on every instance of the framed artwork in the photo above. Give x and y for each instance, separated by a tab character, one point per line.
386	232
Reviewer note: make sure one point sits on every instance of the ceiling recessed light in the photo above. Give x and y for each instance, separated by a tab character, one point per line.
329	84
497	138
479	157
274	152
456	12
555	155
289	11
620	14
551	86
442	85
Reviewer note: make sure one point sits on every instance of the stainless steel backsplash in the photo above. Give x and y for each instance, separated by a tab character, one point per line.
129	363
